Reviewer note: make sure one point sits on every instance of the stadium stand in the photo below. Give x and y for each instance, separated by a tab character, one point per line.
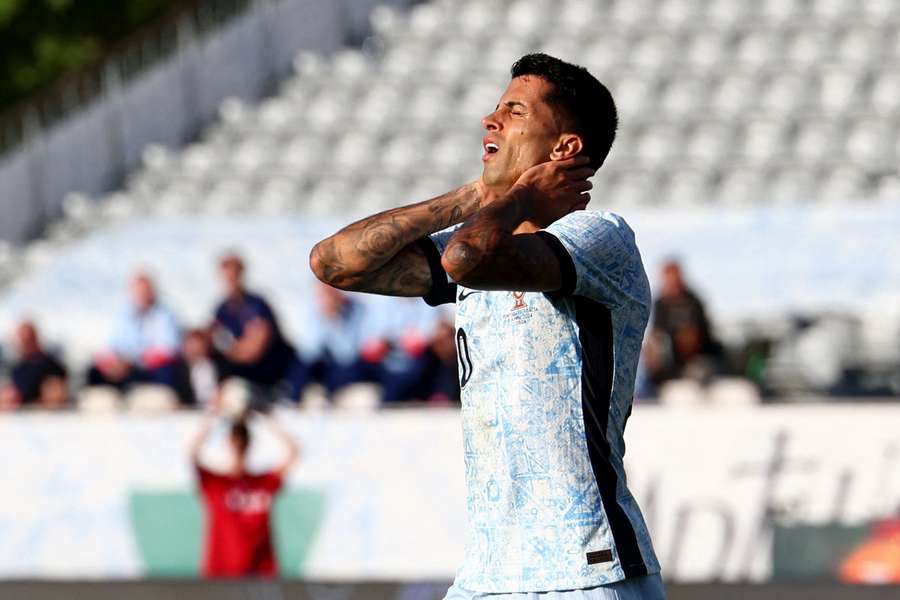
723	104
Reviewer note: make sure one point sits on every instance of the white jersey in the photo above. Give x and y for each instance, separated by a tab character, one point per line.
547	383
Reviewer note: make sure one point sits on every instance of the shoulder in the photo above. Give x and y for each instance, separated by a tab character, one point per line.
598	231
256	301
593	221
221	309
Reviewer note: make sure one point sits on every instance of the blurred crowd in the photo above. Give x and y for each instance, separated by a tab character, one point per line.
411	360
401	350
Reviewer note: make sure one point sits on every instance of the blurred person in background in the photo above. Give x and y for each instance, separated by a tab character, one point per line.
238	505
876	561
442	372
346	351
201	372
680	343
248	340
145	343
411	369
387	343
37	378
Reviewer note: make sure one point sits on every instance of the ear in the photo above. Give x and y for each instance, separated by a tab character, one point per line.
567	146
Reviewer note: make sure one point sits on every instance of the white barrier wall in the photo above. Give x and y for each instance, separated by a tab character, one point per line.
710	483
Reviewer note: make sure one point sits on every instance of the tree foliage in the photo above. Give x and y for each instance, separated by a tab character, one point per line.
41	40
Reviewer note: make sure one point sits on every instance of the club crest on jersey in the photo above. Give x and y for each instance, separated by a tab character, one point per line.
519	300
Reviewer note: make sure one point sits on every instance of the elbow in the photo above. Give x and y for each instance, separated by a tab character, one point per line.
461	260
316	263
323	265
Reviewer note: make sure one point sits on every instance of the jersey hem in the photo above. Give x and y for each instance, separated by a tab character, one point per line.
559	586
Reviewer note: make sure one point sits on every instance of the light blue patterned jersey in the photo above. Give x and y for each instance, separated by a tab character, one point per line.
547	383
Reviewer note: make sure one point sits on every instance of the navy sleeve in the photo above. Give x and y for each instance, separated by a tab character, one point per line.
443	291
263	311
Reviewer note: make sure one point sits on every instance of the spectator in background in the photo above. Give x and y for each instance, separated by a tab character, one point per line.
388	344
346	351
37	378
201	373
680	342
442	373
238	504
144	346
248	340
410	367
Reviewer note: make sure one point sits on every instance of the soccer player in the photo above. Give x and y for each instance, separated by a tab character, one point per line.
551	305
238	506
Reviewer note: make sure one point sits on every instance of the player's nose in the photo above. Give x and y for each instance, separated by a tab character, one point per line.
490	122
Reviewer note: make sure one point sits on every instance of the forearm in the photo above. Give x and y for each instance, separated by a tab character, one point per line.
366	247
291	445
472	246
199	440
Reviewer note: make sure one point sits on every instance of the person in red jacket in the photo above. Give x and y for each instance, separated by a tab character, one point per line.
238	505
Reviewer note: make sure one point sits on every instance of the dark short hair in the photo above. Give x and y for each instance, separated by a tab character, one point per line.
584	102
241	433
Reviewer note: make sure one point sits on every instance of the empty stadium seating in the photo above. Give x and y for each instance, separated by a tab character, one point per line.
721	102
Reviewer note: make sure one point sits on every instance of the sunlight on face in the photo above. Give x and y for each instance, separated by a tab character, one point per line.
521	132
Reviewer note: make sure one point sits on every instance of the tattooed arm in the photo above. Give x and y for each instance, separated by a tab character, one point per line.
485	254
378	254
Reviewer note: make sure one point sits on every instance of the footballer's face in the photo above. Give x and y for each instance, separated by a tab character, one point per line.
521	132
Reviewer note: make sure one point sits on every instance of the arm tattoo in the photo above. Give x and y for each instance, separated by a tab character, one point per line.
484	253
375	254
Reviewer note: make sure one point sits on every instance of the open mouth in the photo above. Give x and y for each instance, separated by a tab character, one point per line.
490	148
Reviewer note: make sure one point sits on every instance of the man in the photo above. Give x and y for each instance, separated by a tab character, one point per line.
552	303
342	332
681	342
145	343
249	340
37	378
238	507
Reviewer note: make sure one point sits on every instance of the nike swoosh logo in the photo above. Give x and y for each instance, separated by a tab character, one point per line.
463	295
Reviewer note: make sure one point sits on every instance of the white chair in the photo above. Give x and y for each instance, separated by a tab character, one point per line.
815	140
858	46
756	49
807	47
784	94
885	91
705	51
685	96
686	187
743	185
762	141
838	90
842	184
792	185
675	15
658	146
830	11
733	95
710	143
726	14
867	144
